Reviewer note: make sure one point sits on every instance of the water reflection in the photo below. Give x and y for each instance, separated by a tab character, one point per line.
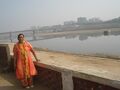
84	36
86	43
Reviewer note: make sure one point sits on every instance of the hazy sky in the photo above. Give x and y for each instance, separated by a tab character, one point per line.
22	14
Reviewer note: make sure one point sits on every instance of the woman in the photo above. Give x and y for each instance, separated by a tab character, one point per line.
23	63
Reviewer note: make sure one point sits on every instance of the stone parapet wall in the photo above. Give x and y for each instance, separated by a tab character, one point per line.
61	80
6	61
82	84
49	78
3	56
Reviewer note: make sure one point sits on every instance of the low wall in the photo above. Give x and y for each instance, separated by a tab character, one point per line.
5	57
60	71
49	78
57	79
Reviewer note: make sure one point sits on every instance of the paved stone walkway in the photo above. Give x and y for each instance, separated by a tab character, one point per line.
8	81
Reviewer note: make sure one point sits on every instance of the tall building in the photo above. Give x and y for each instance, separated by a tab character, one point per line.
69	22
82	20
94	20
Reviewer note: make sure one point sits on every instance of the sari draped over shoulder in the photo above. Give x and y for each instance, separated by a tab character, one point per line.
24	65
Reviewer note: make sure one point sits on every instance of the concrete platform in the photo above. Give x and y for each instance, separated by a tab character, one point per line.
9	82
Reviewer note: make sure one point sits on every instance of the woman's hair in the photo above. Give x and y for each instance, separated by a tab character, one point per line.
20	35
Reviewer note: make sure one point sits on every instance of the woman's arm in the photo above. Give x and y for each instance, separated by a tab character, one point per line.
32	50
34	54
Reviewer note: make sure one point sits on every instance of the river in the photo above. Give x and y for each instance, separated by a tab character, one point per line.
100	43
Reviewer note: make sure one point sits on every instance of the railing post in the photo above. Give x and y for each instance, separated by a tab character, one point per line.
67	80
34	37
10	36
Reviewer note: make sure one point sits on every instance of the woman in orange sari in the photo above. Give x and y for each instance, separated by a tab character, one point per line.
23	63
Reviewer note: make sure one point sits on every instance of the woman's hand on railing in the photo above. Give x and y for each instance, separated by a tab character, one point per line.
37	60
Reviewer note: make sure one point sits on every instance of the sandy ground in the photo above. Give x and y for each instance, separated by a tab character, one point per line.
63	59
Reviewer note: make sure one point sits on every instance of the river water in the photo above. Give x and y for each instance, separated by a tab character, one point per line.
97	42
84	43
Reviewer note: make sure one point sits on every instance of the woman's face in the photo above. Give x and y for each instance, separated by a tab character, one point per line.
21	38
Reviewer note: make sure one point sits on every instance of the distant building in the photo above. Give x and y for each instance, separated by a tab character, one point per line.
82	20
69	23
94	20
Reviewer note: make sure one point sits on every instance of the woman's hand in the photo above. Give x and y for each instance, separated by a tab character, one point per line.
37	59
34	54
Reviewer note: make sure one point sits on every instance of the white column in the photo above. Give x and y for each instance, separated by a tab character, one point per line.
67	81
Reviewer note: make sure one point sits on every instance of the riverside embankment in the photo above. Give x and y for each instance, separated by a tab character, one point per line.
63	71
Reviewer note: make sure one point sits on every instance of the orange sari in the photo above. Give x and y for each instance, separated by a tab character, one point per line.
24	65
